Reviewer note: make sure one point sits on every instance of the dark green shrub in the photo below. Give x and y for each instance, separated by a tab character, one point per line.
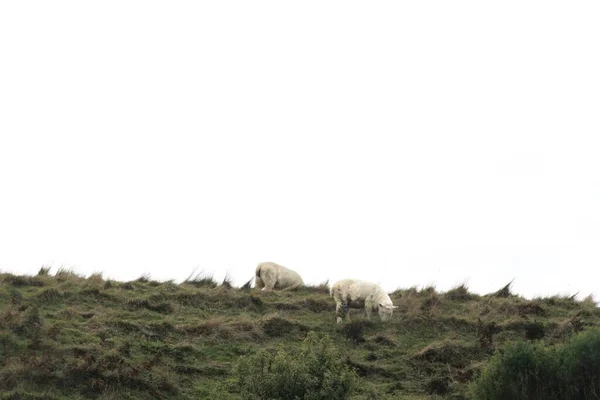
520	371
581	358
530	371
316	373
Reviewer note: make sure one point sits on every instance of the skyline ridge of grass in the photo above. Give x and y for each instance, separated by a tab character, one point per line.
209	275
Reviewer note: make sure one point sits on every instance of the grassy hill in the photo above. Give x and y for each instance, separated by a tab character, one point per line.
71	337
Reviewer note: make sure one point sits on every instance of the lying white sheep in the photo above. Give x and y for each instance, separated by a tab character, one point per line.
271	276
354	293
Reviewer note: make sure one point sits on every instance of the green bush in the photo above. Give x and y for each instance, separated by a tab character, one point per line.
316	372
533	372
519	371
581	359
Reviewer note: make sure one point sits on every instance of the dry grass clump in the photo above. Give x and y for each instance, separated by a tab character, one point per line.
438	386
275	325
384	340
246	329
317	305
354	330
400	292
566	328
459	293
144	278
222	330
162	307
286	306
127	286
414	291
67	274
530	330
589	301
227	281
506	308
17	280
247	285
486	332
322	287
451	352
200	279
49	294
96	278
413	303
531	308
430	303
11	318
561	300
504	292
220	298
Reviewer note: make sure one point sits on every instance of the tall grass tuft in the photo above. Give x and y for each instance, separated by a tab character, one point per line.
66	274
200	279
459	293
247	285
504	292
144	278
96	277
227	281
322	287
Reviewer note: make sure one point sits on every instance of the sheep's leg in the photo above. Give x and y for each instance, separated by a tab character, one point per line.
368	309
339	312
292	287
269	280
346	308
268	287
258	283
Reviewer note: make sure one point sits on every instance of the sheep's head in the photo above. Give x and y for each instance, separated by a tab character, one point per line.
386	311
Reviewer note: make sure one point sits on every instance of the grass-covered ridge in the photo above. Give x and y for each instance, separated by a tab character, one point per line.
64	336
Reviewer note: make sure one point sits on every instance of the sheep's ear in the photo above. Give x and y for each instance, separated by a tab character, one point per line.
395	306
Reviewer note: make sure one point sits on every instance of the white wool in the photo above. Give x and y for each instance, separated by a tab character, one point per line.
355	293
270	276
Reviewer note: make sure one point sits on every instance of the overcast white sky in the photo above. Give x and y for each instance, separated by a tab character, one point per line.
406	143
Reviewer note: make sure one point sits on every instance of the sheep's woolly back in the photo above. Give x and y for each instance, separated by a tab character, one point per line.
274	276
359	290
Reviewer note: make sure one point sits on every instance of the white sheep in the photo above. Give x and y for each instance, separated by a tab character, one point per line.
271	276
354	293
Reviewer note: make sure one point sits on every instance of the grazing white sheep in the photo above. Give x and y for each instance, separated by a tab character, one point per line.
271	276
354	293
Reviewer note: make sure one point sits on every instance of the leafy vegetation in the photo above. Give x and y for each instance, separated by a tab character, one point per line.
316	373
64	336
533	371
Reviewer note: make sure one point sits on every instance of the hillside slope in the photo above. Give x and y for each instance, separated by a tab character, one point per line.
70	337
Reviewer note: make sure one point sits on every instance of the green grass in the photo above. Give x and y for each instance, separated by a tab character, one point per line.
71	337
